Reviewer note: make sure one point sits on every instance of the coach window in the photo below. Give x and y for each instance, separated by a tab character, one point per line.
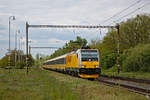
64	60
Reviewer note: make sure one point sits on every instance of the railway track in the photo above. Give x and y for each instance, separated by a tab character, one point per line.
139	86
128	79
129	83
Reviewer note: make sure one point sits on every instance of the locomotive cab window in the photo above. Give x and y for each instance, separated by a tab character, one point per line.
89	55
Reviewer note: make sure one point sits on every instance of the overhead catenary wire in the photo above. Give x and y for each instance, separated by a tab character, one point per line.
118	13
121	11
131	12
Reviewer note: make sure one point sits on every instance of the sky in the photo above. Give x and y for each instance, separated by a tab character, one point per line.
61	12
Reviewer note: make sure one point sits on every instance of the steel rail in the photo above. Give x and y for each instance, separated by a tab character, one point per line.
128	79
136	89
132	88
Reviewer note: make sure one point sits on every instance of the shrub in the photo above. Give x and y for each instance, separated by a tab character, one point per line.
108	60
4	62
20	65
138	59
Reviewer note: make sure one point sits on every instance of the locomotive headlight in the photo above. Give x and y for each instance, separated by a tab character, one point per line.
83	66
97	66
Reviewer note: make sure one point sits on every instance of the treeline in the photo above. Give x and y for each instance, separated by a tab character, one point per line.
17	60
69	47
134	45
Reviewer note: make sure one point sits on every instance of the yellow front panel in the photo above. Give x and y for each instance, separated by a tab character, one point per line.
89	76
90	64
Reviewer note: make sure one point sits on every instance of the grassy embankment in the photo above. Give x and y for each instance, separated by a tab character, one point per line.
138	75
48	85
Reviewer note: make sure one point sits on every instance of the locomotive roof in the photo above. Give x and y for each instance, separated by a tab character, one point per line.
63	56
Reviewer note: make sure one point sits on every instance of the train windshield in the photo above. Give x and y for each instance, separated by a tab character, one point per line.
89	55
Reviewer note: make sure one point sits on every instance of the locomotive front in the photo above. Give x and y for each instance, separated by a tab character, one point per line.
89	63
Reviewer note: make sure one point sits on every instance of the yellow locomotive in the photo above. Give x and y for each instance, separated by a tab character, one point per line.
83	63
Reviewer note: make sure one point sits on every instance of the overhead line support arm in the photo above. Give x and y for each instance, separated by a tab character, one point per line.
69	26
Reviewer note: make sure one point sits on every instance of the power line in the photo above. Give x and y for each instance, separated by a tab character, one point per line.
45	47
131	12
122	11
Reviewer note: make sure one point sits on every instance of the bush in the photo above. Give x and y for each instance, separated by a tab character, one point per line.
20	65
108	60
138	59
4	62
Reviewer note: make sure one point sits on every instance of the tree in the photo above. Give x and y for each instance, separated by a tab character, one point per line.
134	31
20	59
137	58
69	47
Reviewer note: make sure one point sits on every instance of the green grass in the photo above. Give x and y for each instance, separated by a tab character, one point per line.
138	75
48	85
39	85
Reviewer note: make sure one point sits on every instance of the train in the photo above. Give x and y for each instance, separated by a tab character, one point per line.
83	63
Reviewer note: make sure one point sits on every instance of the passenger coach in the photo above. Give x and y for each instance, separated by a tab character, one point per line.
83	63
